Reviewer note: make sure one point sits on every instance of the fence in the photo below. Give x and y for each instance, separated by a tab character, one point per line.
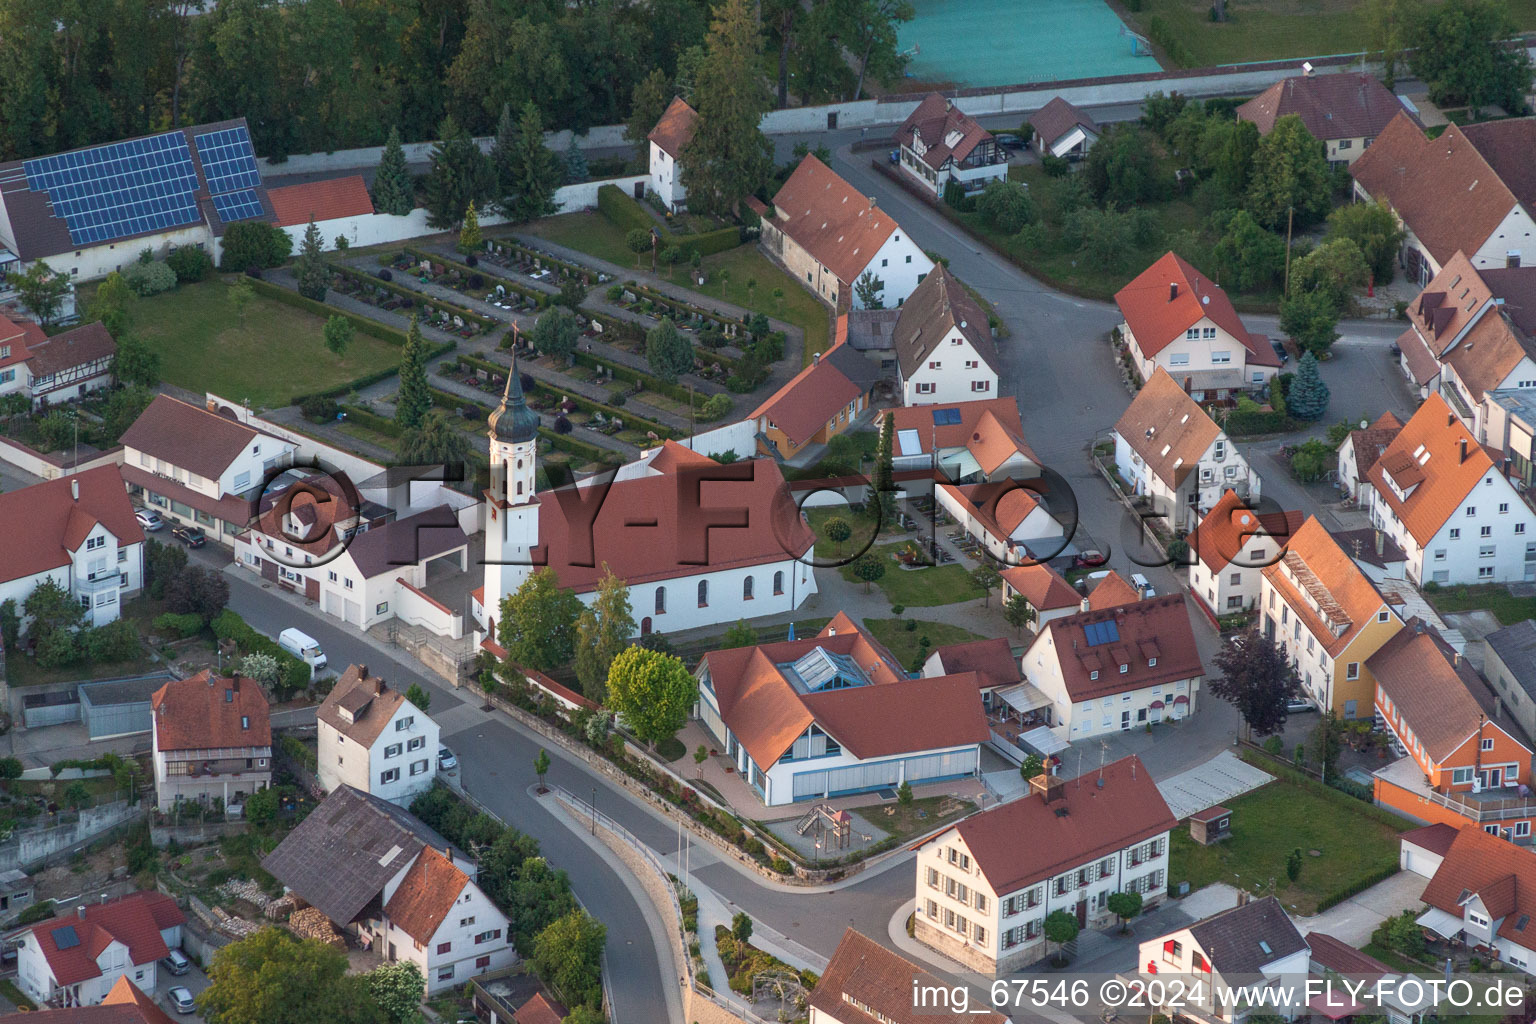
25	850
193	832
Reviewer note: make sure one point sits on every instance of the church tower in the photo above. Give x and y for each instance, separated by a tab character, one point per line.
512	526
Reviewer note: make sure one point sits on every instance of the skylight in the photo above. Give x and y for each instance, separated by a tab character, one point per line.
946	417
1100	633
821	669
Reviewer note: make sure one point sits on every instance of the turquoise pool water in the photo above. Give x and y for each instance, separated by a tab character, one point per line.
1003	42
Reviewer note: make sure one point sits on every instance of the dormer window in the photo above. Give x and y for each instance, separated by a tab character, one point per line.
1151	663
1124	669
245	721
229	695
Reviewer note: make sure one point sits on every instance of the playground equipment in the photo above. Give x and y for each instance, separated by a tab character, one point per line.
831	824
1140	47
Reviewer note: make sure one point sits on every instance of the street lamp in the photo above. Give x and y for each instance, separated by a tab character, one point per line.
594	810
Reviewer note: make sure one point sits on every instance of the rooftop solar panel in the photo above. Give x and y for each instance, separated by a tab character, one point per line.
946	417
229	162
65	937
1100	633
242	205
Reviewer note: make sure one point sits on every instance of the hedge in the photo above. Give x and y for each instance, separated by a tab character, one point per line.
645	380
1242	424
585	404
426	301
565	443
229	626
624	213
543	299
372	420
568	268
635	332
687	309
1160	33
1358	886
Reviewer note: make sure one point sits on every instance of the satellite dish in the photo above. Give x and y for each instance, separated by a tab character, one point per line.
1205	300
1364	424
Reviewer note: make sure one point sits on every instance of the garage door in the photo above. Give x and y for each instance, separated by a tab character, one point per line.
332	603
355	613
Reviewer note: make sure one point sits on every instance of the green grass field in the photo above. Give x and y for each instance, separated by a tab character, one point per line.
903	643
589	232
276	353
1493	597
920	588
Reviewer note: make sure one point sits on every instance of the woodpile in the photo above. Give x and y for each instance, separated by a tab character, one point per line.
310	923
245	889
239	927
281	909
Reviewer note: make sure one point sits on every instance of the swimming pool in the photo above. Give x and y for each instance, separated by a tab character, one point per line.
1003	42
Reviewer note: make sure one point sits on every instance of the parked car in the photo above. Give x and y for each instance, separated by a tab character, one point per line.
191	536
302	646
446	762
181	999
1299	706
1089	559
1280	352
176	962
1010	141
1143	585
148	519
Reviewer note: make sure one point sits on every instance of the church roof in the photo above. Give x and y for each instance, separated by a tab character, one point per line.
513	420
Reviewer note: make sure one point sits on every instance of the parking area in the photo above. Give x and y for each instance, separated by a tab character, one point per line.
193	981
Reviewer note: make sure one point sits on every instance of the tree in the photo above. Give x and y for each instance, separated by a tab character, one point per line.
869	29
587	1015
1293	864
261	807
274	977
1227	150
741	926
459	175
1017	612
1307	398
77	794
398	989
1061	928
1007	206
652	692
555	333
868	567
885	477
538	623
987	578
251	243
1405	934
197	591
41	290
1325	744
469	234
1457	49
837	530
240	295
52	610
310	269
647	102
261	667
1390	22
728	157
135	363
700	755
1104	236
1335	269
112	305
1310	318
339	333
639	240
575	162
1031	767
602	631
1124	905
667	351
10	768
10	624
1373	228
1290	172
904	795
414	398
435	442
394	191
1250	257
1309	461
568	955
1257	679
541	767
867	291
1122	167
533	172
122	407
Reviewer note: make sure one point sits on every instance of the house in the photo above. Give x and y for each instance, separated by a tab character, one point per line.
1046	592
1330	956
16	340
1168	449
402	889
840	701
1484	894
700	555
78	531
1509	663
1062	130
830	236
1228	548
940	143
1344	111
1359	451
1115	668
1178	320
992	660
1376	555
1441	497
336	206
539	1010
968	442
1509	420
76	960
1448	196
372	739
865	983
1422	850
1109	590
986	884
667	141
825	399
944	348
57	369
178	187
1328	617
212	740
1010	521
126	1003
1255	939
1466	759
200	468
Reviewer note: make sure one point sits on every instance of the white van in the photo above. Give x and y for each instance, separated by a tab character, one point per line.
302	646
1143	585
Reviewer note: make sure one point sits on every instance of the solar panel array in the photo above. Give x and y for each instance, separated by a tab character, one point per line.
946	417
65	937
1100	633
150	184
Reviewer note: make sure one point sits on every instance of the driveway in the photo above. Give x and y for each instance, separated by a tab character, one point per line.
194	980
1353	920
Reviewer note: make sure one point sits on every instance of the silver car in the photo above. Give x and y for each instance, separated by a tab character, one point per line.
181	999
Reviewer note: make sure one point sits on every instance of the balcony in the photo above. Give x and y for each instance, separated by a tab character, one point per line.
101	581
1489	807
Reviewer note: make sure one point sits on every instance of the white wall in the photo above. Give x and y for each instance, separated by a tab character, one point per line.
356	467
951	380
739	437
472	914
1512	235
343	761
901	264
418	610
1460	559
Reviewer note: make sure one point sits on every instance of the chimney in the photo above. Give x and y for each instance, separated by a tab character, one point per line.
1173	290
1463	450
1498	707
1456	659
103	898
1381	544
871	202
815	358
1243	897
80	911
1082	605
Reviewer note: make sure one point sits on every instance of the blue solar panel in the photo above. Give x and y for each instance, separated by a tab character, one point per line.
65	937
1100	633
229	162
946	417
242	205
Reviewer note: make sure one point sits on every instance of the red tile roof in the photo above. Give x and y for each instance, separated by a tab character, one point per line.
1167	429
1231	524
135	920
675	129
1507	145
123	1004
992	659
1500	872
228	509
808	400
934	121
830	219
1158	320
317	201
1435	838
208	712
1156	628
1342	958
321	504
1371	441
425	895
19	336
359	706
84	344
1058	117
998	507
1111	591
938	306
190	437
867	973
989	428
1043	587
40	521
1337	106
1430	448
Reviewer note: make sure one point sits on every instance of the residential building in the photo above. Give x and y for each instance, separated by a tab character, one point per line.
1509	663
1168	449
77	531
1329	618
835	714
200	468
1238	946
1359	451
1117	668
212	741
991	659
1377	556
1449	196
1178	320
667	141
372	739
940	143
16	340
125	1003
399	887
1333	956
986	884
1484	895
1422	850
1466	760
944	348
338	207
1441	497
1509	417
1229	547
865	983
825	399
1108	590
1009	520
828	235
179	187
54	370
539	1010
78	959
694	559
967	442
1046	592
1344	111
1062	130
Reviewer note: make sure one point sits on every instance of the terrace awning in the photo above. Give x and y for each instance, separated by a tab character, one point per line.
1024	697
1445	925
1042	740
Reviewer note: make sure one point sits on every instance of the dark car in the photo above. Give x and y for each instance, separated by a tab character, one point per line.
1010	141
1280	352
191	536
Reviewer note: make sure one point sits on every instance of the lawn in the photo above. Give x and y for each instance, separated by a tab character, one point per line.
746	263
276	353
863	528
589	232
1270	822
1493	597
25	671
920	817
903	643
920	588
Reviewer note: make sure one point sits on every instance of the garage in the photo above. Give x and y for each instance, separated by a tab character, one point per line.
333	603
1422	849
354	612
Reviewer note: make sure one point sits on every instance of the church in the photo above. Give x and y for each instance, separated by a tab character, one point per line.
698	542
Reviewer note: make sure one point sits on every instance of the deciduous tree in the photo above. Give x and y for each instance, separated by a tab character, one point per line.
1061	928
869	567
40	289
1310	318
652	692
339	333
1334	269
1290	173
398	989
555	333
1250	257
1457	49
274	977
868	291
113	305
667	351
1373	228
568	954
538	623
1257	679
1007	206
602	631
1124	905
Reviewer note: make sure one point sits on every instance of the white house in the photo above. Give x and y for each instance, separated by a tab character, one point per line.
1010	521
986	884
866	982
1230	547
339	207
435	916
1441	498
1046	592
1167	448
199	467
212	740
941	143
372	739
829	235
1359	451
667	141
835	714
57	369
967	442
1343	111
75	960
78	531
944	347
1484	894
1062	130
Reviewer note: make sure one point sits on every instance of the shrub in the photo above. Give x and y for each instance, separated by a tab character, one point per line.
386	274
617	397
475	282
781	865
716	407
149	278
253	272
319	409
251	243
184	625
190	263
471	260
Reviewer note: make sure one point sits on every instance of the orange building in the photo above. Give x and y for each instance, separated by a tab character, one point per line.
821	401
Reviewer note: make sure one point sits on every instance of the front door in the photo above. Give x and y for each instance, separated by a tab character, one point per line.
1492	778
1082	914
312	589
1125	720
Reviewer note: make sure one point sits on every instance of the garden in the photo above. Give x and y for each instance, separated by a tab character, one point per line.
910	578
381	292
